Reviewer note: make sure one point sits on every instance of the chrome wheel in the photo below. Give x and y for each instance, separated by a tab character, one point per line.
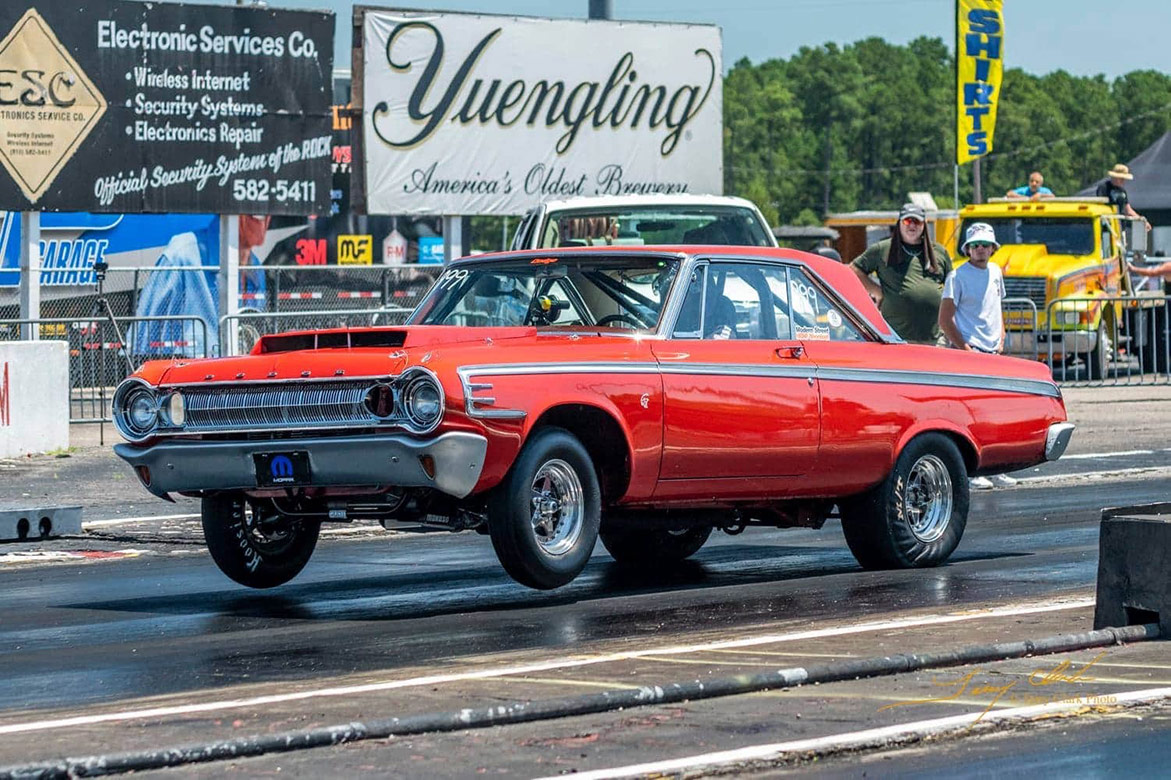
928	499
558	507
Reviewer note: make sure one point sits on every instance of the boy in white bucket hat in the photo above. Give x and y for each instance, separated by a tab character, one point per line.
970	313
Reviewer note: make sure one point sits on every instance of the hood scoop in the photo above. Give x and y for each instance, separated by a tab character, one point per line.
330	339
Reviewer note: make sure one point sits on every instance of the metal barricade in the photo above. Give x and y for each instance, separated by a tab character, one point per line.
1020	321
100	358
312	288
1108	340
250	326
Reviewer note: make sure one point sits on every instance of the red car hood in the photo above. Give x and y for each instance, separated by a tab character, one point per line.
323	354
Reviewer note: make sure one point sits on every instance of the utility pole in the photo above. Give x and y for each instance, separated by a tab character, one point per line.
601	9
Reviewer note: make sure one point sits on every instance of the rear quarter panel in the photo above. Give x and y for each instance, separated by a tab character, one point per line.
869	415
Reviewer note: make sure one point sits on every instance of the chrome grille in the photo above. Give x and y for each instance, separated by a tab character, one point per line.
276	407
1031	287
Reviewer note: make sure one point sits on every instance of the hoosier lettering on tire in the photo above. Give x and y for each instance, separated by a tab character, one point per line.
253	549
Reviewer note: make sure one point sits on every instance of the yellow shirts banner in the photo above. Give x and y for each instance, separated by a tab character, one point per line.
979	68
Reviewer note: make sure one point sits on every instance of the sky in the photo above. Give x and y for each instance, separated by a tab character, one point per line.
1082	37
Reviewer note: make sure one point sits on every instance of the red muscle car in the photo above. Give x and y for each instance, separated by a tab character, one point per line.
547	398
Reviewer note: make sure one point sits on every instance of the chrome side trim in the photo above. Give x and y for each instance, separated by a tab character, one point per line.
1057	439
723	369
969	381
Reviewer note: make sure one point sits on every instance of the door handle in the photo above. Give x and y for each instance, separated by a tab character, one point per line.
790	353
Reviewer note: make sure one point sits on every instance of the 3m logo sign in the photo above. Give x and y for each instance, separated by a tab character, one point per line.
5	403
47	105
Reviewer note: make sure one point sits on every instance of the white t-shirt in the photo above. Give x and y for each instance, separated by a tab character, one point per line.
977	293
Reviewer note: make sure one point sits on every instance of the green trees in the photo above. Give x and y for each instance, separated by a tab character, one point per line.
837	129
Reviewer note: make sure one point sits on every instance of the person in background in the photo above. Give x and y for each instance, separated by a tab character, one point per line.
970	313
1162	269
1114	190
910	270
1034	190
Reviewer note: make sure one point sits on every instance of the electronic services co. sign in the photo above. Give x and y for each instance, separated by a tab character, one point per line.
470	114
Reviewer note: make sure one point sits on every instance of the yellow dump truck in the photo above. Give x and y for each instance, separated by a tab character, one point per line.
1071	300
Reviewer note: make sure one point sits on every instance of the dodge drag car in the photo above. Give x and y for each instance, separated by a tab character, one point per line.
643	396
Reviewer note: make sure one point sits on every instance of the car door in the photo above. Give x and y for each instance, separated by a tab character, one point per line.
862	413
741	407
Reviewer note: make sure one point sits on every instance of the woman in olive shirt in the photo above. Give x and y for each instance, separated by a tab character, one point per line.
910	270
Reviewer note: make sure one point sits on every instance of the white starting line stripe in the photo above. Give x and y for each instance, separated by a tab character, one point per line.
856	740
545	666
121	520
1142	470
1103	455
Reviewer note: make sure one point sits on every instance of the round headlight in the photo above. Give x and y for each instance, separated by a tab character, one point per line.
142	410
176	409
423	402
136	409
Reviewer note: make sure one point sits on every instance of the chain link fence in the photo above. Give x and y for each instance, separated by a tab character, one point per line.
306	288
103	352
238	334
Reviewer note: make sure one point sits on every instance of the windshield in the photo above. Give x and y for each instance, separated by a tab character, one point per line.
635	226
620	292
1060	236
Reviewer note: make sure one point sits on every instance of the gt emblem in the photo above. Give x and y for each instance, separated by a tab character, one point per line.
645	401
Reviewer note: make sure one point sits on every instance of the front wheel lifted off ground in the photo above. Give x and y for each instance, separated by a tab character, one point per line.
252	549
916	516
543	519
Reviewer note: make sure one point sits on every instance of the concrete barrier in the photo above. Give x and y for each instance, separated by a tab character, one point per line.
45	522
1134	567
34	397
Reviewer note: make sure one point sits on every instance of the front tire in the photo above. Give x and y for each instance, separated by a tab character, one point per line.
1097	359
916	517
255	551
544	517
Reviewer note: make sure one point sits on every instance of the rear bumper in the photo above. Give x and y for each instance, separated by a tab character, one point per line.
374	460
1057	439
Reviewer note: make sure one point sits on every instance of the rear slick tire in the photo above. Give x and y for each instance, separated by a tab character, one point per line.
655	546
914	518
255	554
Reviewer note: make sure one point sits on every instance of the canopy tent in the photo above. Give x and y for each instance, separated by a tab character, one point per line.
1151	188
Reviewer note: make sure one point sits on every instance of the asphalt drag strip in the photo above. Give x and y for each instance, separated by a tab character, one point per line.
534	708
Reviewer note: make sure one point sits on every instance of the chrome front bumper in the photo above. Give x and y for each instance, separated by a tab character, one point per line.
194	465
1057	439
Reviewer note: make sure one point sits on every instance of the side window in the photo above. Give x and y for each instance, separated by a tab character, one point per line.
1107	246
778	285
815	317
687	326
732	304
